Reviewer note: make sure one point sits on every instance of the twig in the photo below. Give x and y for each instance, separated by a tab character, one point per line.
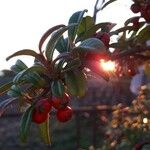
97	9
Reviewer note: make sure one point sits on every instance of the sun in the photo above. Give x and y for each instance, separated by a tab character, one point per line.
108	65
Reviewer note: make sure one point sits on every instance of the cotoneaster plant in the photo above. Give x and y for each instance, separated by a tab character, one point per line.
51	82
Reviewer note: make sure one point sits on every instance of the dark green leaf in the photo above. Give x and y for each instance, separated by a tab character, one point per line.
14	91
144	34
24	52
45	132
4	88
47	33
19	66
75	18
53	41
92	45
75	83
26	123
36	68
72	65
35	79
62	45
57	88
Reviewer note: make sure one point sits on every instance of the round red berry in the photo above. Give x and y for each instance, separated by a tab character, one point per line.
41	110
59	103
135	8
65	114
39	117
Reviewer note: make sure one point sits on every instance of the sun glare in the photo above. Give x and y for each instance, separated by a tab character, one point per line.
108	65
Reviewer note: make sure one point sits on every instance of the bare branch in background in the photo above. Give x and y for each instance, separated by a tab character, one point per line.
97	8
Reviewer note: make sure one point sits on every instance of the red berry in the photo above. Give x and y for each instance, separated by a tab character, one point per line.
65	114
44	105
104	37
41	110
59	103
136	23
39	117
145	12
135	8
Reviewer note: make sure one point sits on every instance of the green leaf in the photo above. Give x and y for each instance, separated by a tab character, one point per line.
144	34
107	3
37	68
86	23
53	41
35	79
26	123
75	18
45	132
92	45
62	45
24	52
4	88
47	33
19	66
14	91
57	88
91	31
76	83
71	65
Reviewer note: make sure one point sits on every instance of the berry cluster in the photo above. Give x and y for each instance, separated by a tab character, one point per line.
143	8
43	107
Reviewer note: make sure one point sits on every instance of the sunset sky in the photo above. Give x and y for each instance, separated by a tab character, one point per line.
24	21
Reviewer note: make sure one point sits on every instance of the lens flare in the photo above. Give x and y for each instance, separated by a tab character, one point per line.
108	65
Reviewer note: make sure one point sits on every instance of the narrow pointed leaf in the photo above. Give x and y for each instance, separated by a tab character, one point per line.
75	18
57	88
53	41
47	33
24	52
4	88
45	132
19	66
26	123
36	68
14	91
62	45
